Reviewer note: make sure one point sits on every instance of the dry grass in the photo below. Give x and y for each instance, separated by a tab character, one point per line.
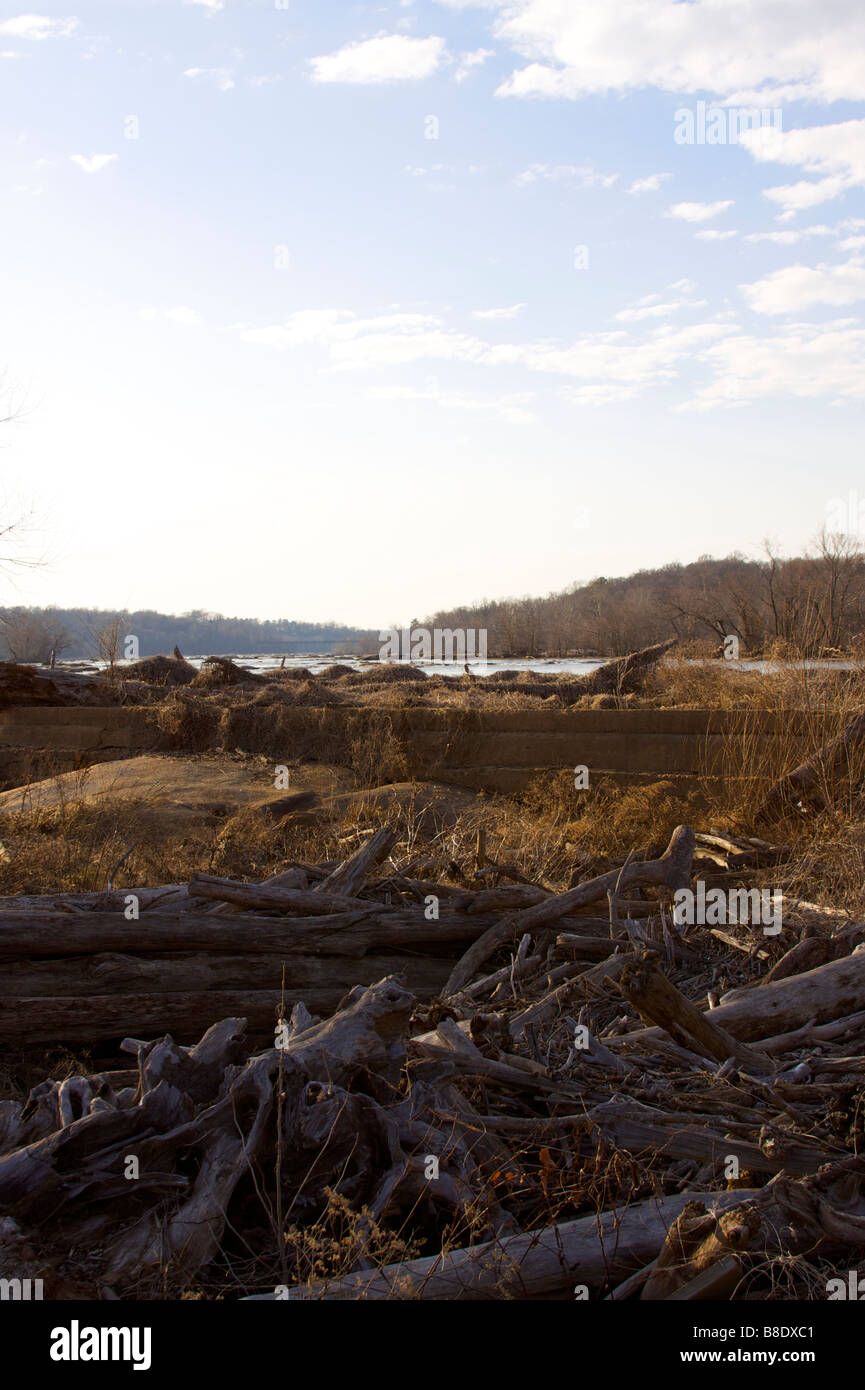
607	818
552	833
75	846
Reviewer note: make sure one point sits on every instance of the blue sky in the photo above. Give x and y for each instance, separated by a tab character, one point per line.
356	311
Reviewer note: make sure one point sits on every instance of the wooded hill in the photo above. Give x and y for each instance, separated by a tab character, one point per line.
815	603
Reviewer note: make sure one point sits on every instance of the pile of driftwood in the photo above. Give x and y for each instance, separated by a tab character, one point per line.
549	1107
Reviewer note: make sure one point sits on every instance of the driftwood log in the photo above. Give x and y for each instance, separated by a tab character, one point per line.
831	991
809	780
589	1251
622	675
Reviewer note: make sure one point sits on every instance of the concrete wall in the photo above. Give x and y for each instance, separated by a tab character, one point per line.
500	750
37	742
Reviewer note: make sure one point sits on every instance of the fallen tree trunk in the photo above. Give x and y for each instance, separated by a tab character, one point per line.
658	1001
191	972
620	676
350	877
343	934
822	995
805	779
83	1018
255	895
593	1251
115	901
640	1129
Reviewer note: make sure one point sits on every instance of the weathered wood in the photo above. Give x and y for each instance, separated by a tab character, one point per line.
593	1250
821	995
194	972
272	899
657	1000
348	933
641	1129
290	878
115	901
80	1018
574	947
805	780
623	673
350	876
673	869
506	896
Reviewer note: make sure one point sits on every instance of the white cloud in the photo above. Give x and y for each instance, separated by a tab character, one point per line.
212	6
650	184
387	58
221	76
791	237
600	368
37	27
583	175
783	51
397	347
836	153
513	408
469	61
93	163
601	393
181	314
384	340
304	327
808	361
636	313
713	234
607	365
797	287
511	312
700	212
614	366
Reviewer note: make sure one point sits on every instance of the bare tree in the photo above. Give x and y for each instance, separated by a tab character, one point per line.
31	637
109	640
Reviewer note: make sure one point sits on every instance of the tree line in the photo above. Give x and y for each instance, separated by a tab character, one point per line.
31	634
812	604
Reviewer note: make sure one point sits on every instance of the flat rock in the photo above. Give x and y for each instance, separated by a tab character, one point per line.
198	785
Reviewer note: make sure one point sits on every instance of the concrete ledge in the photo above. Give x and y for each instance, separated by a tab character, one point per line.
499	750
84	728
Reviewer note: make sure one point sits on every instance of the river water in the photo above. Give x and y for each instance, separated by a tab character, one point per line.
577	666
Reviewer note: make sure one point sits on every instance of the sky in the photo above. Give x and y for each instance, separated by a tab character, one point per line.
317	309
